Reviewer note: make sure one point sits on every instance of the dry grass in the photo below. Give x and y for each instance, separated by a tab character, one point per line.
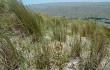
51	42
10	58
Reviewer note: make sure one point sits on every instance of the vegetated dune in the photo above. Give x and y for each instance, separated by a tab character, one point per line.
36	41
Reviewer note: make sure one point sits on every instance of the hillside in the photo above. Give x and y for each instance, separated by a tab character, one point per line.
74	10
36	41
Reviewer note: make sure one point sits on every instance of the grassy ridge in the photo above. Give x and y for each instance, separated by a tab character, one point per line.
30	40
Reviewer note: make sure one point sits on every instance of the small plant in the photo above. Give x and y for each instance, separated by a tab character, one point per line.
59	55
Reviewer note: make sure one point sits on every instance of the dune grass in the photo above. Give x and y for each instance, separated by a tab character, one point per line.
31	23
10	58
51	42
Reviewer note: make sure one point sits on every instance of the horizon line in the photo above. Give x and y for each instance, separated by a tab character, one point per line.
69	2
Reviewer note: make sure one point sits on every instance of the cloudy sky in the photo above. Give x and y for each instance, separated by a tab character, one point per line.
50	1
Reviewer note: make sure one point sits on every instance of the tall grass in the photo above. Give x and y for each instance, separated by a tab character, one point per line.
107	31
42	57
98	51
76	47
59	29
54	53
98	47
2	6
30	22
10	58
83	27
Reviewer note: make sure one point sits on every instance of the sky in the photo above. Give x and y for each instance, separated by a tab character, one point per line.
27	2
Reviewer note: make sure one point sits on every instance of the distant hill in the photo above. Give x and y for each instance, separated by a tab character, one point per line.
75	9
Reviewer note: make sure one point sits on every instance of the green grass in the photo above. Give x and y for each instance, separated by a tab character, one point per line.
10	57
31	40
31	23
